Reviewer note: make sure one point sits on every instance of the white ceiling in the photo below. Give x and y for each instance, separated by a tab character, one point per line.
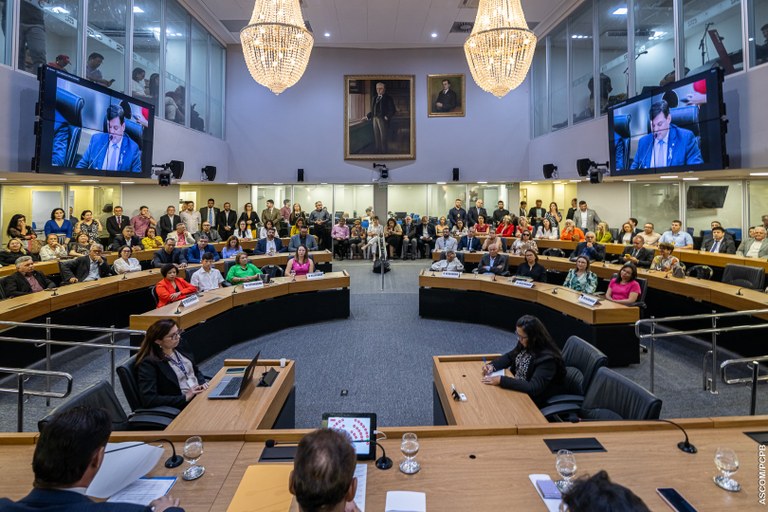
379	23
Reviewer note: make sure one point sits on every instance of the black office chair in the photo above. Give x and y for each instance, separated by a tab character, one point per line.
688	118
101	395
640	302
273	271
189	272
744	276
621	128
582	360
227	265
153	291
133	129
68	126
611	396
700	272
555	252
68	264
126	372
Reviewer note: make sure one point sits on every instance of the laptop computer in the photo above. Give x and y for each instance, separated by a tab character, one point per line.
232	386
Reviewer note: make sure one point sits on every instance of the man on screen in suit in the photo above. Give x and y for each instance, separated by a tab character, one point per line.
382	111
470	242
68	454
168	222
667	145
116	223
719	242
112	151
637	253
210	213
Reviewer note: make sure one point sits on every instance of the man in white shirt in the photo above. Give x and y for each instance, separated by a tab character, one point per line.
446	243
650	237
585	218
450	263
754	247
207	277
681	239
191	218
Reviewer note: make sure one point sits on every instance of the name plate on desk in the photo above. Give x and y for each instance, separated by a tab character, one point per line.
190	301
250	285
522	283
451	274
315	275
589	300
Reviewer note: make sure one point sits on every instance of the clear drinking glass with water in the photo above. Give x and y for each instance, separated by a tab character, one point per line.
409	447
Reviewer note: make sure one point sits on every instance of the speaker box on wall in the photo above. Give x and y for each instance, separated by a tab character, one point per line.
300	175
549	170
455	174
583	165
209	172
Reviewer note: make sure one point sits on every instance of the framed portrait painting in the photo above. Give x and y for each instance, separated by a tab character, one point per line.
446	95
378	117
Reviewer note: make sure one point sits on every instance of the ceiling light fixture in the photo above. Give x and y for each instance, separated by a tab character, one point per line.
621	11
327	34
434	34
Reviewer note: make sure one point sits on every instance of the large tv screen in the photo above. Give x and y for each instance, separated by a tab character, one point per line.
88	129
675	128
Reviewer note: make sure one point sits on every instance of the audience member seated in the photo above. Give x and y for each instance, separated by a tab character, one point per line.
756	246
195	253
589	248
68	454
375	232
522	226
493	262
301	264
212	235
13	251
393	235
151	241
17	228
571	232
726	234
232	248
603	233
181	236
480	226
125	263
52	250
625	289
665	262
536	363
637	253
296	226
492	239
532	268
426	237
172	288
650	237
59	225
470	242
523	243
86	268
357	239
80	246
446	243
597	493
166	376
506	227
459	229
677	237
323	476
243	270
263	229
26	279
207	277
294	217
128	238
442	225
581	279
410	242
303	238
547	231
719	242
626	235
340	236
270	245
169	254
451	263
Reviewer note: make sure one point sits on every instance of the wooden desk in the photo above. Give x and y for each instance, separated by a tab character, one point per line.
257	407
486	405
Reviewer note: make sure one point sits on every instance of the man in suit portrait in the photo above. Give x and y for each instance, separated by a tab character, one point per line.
227	221
667	145
637	253
26	279
446	99
475	211
382	111
756	247
112	151
168	222
493	262
210	213
68	454
116	222
719	242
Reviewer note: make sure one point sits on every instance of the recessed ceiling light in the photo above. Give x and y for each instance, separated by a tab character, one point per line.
89	181
3	179
434	34
668	177
621	11
440	183
526	181
323	183
277	183
137	9
629	180
127	182
574	181
327	34
758	174
230	183
482	182
690	179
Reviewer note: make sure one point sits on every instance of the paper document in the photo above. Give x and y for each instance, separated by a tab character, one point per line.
497	373
144	490
406	501
122	468
553	505
361	472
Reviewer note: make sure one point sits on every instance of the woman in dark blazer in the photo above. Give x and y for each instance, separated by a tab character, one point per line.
251	219
532	268
166	376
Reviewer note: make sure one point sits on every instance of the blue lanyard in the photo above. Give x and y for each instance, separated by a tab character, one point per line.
178	363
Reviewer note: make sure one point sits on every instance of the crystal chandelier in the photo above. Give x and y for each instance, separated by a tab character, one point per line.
276	46
500	48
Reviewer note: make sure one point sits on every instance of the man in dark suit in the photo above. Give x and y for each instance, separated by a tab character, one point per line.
210	213
303	238
26	279
410	242
90	267
536	215
475	211
446	99
127	237
456	213
493	262
271	213
116	222
169	254
68	454
470	242
227	221
382	111
112	151
572	210
426	235
168	222
667	145
499	213
271	243
719	242
589	248
195	253
637	253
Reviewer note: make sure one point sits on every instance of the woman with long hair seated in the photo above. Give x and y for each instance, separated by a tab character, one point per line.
172	288
481	227
442	224
522	226
243	270
581	279
625	289
296	227
603	234
459	229
627	234
125	262
523	243
152	241
166	375
232	248
393	235
536	363
13	251
547	231
532	268
242	232
80	246
505	227
301	264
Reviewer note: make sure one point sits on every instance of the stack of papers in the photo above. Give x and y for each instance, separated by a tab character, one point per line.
406	501
122	468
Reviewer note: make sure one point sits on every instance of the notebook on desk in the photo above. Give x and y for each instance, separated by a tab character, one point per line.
232	386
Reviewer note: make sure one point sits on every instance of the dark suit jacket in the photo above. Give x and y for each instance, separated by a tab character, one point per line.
385	109
158	384
473	213
113	229
500	264
683	149
80	267
644	256
448	99
465	244
204	216
120	241
226	219
68	501
195	256
129	159
166	225
455	214
727	245
16	284
594	253
409	231
161	258
430	231
261	246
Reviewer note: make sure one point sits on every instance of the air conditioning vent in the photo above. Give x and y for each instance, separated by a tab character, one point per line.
462	27
469	4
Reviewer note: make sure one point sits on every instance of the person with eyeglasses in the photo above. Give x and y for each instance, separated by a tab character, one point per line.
90	267
523	243
167	375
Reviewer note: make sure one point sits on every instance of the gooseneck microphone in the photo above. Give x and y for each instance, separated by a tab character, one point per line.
685	446
383	462
738	292
174	461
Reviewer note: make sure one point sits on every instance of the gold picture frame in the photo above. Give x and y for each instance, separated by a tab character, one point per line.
454	104
379	128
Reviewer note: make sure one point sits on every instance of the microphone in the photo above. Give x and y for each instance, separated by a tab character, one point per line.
685	446
554	291
178	309
383	462
174	461
55	292
738	292
96	158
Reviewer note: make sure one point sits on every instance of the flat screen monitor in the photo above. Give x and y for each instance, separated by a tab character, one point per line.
359	427
88	129
700	197
675	128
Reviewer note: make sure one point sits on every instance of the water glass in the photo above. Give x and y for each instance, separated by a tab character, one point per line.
193	450
409	448
566	468
727	462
